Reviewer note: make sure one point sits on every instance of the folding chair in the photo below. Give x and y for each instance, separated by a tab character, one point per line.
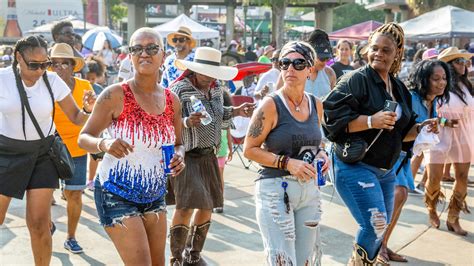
238	134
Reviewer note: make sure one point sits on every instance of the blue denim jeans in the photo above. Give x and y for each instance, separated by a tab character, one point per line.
291	238
368	192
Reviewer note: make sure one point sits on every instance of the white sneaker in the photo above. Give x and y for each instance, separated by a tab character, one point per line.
418	191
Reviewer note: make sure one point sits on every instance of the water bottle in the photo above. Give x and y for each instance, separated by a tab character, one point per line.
199	107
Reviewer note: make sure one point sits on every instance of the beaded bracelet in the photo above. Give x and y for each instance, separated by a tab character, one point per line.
285	161
442	121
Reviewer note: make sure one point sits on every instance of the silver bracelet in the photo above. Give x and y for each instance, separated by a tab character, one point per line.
369	121
185	122
98	144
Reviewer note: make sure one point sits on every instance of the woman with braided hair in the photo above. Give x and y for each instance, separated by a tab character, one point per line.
355	113
25	165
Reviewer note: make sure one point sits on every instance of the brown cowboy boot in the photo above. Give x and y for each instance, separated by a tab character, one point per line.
456	205
195	243
360	257
431	200
178	234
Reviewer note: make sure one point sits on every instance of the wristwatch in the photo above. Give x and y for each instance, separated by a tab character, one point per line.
369	121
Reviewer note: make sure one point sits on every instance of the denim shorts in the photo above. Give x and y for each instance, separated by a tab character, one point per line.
404	175
113	209
78	181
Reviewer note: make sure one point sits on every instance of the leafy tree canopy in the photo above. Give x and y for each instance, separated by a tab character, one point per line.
350	14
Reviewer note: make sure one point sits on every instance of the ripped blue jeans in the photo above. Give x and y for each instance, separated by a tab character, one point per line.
369	194
289	238
113	209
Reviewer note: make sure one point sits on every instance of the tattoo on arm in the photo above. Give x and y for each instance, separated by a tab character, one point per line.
256	127
106	95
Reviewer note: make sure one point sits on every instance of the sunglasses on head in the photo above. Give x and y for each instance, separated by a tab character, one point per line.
61	65
298	63
38	65
150	50
180	39
460	60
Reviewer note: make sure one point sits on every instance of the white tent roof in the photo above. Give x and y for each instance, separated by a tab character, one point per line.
199	31
45	29
303	29
445	22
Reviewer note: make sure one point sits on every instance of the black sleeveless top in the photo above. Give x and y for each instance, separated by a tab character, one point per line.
298	140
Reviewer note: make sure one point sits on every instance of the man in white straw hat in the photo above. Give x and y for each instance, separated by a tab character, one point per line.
183	42
199	186
65	63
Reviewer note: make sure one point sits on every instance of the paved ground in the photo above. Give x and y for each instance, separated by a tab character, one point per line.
234	236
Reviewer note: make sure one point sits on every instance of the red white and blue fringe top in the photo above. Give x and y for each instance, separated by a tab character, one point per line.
139	177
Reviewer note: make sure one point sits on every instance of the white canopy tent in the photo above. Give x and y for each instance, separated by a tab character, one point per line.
445	22
199	31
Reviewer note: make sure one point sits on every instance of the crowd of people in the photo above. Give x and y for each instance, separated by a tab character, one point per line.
353	113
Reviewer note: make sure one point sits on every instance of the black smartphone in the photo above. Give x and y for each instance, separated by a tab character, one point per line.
390	106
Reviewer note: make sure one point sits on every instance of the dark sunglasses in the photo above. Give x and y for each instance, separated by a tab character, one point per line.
67	33
61	65
274	59
151	50
38	65
298	63
460	60
180	39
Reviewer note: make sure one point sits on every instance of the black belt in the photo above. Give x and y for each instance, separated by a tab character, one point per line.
203	151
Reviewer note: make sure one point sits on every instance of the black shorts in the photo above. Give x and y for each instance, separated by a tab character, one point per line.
26	165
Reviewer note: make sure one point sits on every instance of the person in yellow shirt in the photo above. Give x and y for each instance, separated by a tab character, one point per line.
64	63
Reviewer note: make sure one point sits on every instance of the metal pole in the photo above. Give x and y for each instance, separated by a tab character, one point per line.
245	25
84	6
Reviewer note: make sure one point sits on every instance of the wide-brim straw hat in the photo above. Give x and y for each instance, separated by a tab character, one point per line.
207	61
64	50
184	32
452	53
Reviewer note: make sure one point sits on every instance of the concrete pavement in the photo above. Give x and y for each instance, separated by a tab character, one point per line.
234	237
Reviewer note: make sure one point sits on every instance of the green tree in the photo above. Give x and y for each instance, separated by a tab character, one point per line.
350	14
423	6
117	10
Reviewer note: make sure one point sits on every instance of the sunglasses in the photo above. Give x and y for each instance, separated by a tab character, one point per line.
460	61
274	59
298	63
150	50
61	65
37	65
67	33
180	39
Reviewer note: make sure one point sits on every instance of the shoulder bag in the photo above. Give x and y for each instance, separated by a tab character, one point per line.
58	152
353	149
